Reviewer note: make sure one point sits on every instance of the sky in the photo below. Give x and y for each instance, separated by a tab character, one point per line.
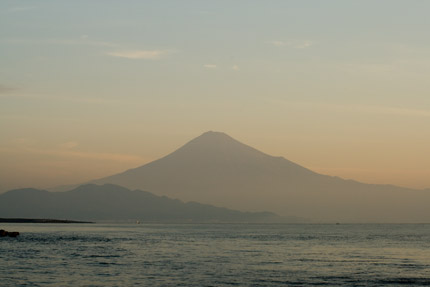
92	88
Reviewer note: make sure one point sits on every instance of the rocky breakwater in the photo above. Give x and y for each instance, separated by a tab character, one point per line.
4	233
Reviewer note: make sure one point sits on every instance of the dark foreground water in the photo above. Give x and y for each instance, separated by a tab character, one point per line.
215	255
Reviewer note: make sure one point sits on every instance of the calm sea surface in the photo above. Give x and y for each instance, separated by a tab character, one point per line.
215	255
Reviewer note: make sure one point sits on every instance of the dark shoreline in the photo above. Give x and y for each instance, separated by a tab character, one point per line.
37	220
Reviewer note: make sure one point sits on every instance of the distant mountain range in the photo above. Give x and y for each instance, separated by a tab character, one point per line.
114	203
216	169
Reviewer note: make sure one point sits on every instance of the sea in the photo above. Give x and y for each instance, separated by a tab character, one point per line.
216	255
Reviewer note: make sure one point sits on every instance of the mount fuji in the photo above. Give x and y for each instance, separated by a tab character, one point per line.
216	169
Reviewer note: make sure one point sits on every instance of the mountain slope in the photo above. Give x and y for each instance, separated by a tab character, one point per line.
212	168
216	169
112	202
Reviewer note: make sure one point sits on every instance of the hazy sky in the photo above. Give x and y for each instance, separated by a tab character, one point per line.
90	88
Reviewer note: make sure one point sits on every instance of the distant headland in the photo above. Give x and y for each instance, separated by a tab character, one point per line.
38	220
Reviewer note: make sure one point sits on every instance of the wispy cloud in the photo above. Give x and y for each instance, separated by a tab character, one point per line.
201	12
119	50
369	109
303	45
70	153
279	43
214	66
58	98
210	66
394	111
18	9
296	44
5	89
84	40
69	145
64	150
32	162
400	68
139	54
381	110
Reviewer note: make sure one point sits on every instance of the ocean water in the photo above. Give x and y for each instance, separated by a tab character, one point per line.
215	255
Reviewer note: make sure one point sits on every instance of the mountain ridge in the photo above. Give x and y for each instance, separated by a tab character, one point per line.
112	202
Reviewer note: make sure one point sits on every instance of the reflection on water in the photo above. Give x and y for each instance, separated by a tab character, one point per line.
215	255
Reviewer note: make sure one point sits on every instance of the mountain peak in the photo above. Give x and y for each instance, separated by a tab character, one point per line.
214	136
212	142
212	133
